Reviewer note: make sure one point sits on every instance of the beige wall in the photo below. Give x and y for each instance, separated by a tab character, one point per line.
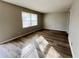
11	22
56	21
74	28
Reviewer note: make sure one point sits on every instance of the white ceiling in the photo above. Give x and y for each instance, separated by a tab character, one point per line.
45	6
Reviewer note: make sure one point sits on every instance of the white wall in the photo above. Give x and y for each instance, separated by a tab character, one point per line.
74	28
56	21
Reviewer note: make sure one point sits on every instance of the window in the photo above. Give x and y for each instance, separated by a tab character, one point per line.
29	19
34	19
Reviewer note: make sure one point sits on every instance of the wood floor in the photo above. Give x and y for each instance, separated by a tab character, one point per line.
58	45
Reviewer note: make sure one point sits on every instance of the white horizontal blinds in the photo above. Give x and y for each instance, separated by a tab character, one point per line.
26	19
34	19
29	19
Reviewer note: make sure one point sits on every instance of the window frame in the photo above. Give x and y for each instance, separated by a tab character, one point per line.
30	25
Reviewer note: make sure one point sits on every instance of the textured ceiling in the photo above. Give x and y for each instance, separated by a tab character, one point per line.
44	6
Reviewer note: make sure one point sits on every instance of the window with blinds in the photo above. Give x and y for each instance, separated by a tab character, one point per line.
29	19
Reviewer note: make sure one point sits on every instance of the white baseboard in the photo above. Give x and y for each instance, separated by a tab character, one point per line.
70	43
19	36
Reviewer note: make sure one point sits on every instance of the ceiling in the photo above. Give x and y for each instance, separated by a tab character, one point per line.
44	6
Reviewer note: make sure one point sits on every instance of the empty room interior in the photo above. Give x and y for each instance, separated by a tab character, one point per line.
39	28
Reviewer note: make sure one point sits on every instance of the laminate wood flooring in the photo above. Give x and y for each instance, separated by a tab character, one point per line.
58	46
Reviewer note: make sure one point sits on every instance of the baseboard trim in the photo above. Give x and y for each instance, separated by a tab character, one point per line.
70	43
57	30
19	36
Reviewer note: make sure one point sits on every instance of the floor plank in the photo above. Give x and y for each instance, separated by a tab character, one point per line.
57	40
